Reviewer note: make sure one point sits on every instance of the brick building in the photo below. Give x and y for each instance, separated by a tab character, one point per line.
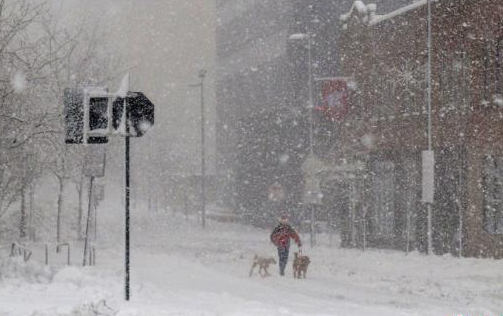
386	126
262	132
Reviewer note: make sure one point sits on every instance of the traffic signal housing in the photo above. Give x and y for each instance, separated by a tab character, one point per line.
140	116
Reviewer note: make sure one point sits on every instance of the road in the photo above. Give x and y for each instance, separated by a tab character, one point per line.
178	269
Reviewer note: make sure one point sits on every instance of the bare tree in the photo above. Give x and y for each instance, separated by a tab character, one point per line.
84	61
38	59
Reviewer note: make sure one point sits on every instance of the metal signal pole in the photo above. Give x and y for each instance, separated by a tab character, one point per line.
127	193
127	200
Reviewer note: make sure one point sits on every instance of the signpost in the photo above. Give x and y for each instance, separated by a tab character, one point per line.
94	166
93	115
98	196
276	193
311	167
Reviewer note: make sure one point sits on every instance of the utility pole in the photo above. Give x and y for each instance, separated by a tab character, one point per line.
313	198
429	203
311	123
202	75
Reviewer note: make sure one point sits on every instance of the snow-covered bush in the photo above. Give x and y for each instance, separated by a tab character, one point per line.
100	308
31	271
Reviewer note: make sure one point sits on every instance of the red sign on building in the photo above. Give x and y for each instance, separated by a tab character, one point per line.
335	99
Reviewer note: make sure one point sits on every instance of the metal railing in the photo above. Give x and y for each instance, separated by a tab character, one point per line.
18	249
59	246
22	250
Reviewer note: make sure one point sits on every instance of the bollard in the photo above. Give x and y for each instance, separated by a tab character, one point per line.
13	250
94	255
46	254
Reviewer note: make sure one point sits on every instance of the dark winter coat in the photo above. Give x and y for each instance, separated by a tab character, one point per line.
281	235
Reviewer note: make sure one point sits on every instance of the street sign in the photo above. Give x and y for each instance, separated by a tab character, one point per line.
311	167
94	161
276	192
98	193
428	176
335	98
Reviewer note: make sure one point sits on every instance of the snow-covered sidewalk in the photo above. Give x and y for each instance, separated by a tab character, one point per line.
178	269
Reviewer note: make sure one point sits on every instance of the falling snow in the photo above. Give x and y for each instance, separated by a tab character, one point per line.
322	128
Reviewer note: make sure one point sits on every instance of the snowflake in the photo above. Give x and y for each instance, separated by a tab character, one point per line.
409	75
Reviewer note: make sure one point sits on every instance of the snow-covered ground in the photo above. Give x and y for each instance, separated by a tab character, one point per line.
179	269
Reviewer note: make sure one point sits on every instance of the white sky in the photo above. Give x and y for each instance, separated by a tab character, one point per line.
165	42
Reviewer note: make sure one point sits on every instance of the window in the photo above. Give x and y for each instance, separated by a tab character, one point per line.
382	196
493	194
499	73
455	81
492	85
409	196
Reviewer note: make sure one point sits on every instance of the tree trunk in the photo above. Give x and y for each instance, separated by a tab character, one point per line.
31	217
23	222
149	196
60	209
80	189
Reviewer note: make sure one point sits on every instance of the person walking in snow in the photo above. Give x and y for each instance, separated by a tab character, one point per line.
280	237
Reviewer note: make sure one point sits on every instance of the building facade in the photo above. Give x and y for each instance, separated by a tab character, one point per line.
387	57
262	92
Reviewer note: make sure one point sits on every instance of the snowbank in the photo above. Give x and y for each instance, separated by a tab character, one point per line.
69	274
99	308
31	271
180	269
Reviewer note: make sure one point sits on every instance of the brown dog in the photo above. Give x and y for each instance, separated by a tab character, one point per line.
300	264
263	264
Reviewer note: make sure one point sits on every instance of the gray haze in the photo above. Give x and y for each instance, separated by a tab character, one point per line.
164	43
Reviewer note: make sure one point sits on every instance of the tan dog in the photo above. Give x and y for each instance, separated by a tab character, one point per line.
300	264
263	264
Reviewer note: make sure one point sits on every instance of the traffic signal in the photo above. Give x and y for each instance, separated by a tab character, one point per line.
74	116
140	115
73	101
98	119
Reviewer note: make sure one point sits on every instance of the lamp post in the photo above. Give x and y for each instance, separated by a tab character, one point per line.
307	37
429	204
202	75
313	195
